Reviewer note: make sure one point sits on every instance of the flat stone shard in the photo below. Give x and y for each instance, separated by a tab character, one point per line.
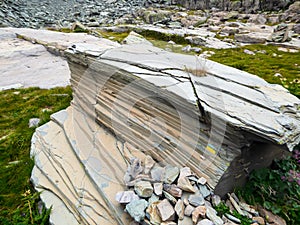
179	209
125	197
166	210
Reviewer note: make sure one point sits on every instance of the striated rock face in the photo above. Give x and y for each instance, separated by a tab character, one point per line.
182	110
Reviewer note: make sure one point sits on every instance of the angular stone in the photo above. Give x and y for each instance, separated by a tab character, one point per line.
189	210
33	122
171	173
136	209
166	210
205	222
157	173
202	181
212	215
135	167
153	213
153	198
196	200
179	209
158	188
143	189
170	197
185	184
184	172
173	190
199	211
186	221
125	197
204	191
215	200
149	163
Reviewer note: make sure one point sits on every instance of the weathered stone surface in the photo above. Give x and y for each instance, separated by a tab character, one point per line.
111	82
170	197
185	184
149	163
153	198
199	212
189	210
216	200
157	173
154	214
136	209
202	180
196	199
143	189
211	214
166	210
33	122
204	191
24	64
173	190
179	209
171	173
158	188
125	197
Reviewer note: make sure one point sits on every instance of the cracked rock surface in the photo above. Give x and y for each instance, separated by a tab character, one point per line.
137	99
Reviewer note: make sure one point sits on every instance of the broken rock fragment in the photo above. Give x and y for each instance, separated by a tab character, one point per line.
136	209
185	184
173	190
166	210
154	214
212	215
196	200
125	197
199	212
171	173
143	189
158	188
149	163
179	209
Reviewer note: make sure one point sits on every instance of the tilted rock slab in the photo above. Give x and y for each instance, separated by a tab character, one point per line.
182	110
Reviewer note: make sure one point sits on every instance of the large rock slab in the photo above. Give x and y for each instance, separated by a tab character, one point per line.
136	99
24	64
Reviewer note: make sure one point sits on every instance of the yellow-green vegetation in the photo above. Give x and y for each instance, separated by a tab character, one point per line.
115	36
266	62
18	200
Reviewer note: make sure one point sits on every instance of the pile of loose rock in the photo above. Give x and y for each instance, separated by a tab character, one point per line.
172	195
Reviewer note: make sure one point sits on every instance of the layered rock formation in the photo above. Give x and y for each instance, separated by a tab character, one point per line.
136	99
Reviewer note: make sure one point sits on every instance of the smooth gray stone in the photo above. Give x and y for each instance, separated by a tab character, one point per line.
196	200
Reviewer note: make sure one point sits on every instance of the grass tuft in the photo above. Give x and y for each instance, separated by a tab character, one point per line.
16	108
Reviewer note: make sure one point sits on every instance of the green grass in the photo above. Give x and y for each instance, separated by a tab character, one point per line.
16	108
265	65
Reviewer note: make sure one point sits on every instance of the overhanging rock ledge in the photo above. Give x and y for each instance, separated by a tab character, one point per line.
137	99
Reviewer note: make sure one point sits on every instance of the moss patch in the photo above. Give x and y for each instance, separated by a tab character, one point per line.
16	108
